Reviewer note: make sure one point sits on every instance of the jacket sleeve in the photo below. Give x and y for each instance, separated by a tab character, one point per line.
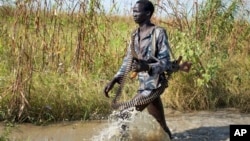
162	53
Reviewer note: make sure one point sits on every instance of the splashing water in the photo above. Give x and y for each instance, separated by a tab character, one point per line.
131	125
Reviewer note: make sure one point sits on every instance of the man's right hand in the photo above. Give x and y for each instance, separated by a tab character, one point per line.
111	84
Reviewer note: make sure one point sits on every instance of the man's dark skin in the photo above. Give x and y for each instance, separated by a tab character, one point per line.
155	108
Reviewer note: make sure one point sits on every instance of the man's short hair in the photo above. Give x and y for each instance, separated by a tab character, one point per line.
147	5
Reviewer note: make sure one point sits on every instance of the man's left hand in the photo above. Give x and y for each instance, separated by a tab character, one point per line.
185	66
177	65
140	65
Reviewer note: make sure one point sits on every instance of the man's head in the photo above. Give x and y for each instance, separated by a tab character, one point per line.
147	6
143	10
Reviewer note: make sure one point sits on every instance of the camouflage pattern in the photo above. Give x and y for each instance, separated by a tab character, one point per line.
150	80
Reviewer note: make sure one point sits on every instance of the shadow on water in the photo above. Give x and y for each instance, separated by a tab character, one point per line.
220	133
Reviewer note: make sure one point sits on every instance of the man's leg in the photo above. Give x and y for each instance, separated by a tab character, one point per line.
155	108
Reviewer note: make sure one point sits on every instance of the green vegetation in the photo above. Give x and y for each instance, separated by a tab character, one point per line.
218	44
6	132
55	64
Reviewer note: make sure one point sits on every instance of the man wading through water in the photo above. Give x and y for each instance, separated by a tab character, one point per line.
151	75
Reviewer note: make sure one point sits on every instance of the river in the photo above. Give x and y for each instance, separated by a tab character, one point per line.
186	126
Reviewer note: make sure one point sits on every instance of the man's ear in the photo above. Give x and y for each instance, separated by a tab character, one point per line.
148	13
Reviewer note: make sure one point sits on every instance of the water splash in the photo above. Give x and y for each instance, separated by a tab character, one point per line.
131	125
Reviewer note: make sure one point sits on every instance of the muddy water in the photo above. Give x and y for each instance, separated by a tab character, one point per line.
137	127
194	126
66	131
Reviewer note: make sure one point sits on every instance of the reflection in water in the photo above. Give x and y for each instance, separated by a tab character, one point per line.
131	125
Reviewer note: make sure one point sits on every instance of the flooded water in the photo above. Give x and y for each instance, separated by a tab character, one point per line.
134	126
127	126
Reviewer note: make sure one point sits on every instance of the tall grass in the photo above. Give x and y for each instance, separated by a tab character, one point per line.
216	40
55	62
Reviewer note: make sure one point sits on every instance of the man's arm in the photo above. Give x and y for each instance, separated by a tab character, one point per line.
118	75
163	62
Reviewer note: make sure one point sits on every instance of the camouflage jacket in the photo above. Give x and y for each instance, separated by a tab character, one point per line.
150	81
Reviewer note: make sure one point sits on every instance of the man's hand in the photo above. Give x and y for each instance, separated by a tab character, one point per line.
176	64
185	66
111	84
140	65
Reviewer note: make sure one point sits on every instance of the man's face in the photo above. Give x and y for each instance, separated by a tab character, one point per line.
139	14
